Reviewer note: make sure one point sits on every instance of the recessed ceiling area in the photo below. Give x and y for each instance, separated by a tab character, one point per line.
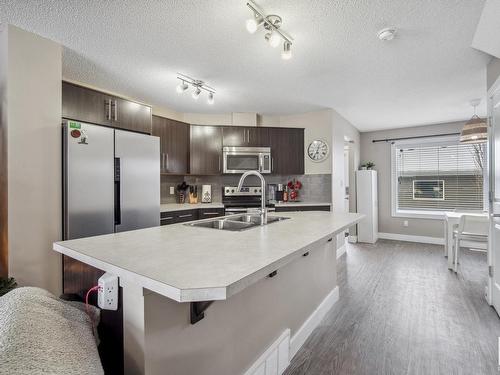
427	74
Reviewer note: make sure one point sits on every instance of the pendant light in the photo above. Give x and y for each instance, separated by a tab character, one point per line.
476	129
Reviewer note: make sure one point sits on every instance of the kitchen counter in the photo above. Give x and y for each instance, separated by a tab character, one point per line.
169	207
189	264
201	265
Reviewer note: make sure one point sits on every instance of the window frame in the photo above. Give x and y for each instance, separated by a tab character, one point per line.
428	141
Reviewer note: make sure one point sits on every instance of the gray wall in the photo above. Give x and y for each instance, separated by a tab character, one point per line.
380	154
235	332
493	71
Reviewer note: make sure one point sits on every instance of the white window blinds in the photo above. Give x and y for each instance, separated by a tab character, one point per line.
438	175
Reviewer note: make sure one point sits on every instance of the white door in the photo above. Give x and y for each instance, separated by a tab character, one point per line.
494	245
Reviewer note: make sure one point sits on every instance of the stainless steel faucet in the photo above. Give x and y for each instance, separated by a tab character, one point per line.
263	211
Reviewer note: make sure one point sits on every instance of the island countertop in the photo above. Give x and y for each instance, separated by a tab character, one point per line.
190	264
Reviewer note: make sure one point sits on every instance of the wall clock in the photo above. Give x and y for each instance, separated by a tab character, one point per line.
317	150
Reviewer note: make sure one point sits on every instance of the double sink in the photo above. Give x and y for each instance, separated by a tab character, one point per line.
235	222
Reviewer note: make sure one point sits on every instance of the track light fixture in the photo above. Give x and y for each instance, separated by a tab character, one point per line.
197	86
181	87
271	23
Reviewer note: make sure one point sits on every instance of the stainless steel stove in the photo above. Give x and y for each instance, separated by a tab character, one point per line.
242	201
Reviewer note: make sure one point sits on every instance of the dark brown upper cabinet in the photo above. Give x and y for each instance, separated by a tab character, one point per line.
206	150
245	136
87	105
174	145
287	150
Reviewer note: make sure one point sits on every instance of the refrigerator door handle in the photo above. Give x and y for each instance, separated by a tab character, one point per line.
118	213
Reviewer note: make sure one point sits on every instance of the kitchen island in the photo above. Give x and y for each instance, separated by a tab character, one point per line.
160	268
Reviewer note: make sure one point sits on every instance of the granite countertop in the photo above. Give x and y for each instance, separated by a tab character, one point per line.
168	207
188	264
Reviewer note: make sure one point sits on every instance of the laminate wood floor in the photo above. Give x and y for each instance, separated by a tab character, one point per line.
402	312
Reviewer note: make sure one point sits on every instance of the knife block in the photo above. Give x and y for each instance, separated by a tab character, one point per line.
193	198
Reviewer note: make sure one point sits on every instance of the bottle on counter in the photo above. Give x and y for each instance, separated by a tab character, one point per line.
279	193
285	195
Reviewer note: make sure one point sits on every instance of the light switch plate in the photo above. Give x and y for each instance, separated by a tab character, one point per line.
171	190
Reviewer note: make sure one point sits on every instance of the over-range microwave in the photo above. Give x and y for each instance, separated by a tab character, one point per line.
242	159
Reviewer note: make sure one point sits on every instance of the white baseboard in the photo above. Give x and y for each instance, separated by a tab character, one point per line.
275	359
409	238
352	239
341	251
300	337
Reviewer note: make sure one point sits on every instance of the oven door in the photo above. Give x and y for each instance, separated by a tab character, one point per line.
241	162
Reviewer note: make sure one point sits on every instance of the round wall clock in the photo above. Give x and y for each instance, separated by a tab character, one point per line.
318	150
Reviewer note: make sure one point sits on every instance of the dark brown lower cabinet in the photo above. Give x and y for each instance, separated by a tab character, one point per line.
206	213
174	217
182	216
302	208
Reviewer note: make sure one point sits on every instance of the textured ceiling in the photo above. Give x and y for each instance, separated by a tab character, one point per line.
428	74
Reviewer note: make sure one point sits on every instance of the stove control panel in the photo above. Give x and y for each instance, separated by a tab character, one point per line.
245	191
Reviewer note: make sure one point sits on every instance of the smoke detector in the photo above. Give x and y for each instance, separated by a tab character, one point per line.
387	34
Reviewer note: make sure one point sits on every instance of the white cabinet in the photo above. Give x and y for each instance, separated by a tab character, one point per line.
367	204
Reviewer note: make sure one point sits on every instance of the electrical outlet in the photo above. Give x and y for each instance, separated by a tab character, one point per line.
172	190
107	295
405	223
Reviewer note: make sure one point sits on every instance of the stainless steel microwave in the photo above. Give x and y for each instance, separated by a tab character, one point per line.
242	159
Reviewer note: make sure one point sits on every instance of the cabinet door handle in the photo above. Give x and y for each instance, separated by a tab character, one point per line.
107	108
166	165
187	215
219	163
272	164
248	135
116	110
210	213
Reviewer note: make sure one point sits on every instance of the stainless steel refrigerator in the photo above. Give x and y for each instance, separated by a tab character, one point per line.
111	180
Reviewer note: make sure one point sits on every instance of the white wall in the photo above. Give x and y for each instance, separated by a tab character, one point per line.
33	81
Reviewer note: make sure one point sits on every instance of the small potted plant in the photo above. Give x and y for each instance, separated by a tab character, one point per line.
370	165
362	167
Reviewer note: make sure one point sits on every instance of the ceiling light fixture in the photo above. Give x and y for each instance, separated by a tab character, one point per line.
271	23
286	54
387	34
181	87
197	86
254	23
476	129
196	93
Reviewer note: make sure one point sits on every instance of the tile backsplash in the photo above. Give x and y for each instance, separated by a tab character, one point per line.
315	187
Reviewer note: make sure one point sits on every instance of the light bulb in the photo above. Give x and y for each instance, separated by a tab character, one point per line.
286	54
252	25
181	87
196	93
274	40
211	98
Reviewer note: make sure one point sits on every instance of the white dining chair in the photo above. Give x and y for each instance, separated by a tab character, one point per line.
472	229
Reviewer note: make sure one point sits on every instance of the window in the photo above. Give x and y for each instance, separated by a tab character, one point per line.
437	175
428	190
